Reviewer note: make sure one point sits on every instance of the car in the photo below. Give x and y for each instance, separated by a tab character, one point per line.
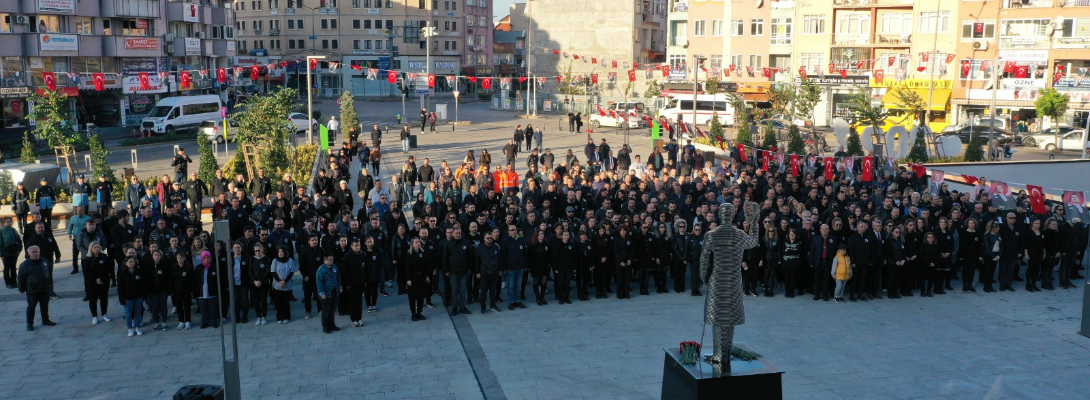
782	126
797	120
1001	135
300	121
597	121
213	130
999	123
1068	141
1031	139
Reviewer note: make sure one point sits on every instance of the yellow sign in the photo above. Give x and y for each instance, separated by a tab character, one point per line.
912	84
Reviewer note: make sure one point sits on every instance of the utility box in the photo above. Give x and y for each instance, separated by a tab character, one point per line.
441	111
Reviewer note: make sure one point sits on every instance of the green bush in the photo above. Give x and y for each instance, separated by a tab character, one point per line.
855	147
918	152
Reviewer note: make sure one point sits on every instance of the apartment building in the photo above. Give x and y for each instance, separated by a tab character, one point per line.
382	34
117	38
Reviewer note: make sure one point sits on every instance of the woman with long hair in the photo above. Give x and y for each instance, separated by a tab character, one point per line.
374	260
769	247
791	259
970	253
281	271
602	261
182	275
98	268
158	286
930	262
1054	245
539	265
417	280
260	280
623	253
1034	245
132	287
993	245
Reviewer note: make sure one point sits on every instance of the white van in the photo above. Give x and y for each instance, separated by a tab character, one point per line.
597	120
706	106
184	112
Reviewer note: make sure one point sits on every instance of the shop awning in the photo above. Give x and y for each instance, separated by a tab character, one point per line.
998	103
939	98
755	97
69	91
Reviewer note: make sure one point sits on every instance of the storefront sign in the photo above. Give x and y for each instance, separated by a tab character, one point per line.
136	65
1015	83
857	80
417	65
142	44
370	52
192	47
191	12
484	71
123	106
1023	41
57	6
446	65
912	84
131	84
681	6
1072	82
14	92
1024	55
58	42
230	45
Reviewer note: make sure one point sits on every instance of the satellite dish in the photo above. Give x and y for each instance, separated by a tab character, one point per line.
867	138
840	131
950	145
895	132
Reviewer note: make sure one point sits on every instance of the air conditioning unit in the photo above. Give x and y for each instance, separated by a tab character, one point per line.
170	48
21	19
980	45
274	32
200	35
170	37
257	31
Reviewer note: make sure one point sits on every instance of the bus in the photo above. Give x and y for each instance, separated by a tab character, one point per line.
681	105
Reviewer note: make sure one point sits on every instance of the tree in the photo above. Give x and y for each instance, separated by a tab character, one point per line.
855	148
769	138
207	170
28	155
716	130
975	149
781	96
264	123
1052	104
918	153
865	113
567	83
99	166
911	101
807	96
741	119
51	114
653	89
350	121
795	144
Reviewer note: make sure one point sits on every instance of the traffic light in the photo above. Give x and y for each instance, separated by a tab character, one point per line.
400	86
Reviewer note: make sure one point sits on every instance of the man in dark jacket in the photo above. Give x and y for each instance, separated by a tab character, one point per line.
457	261
195	190
489	272
133	193
822	251
260	186
513	258
181	165
404	136
510	151
104	193
36	281
861	251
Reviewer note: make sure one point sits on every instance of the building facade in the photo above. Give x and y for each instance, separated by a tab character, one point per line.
120	39
378	34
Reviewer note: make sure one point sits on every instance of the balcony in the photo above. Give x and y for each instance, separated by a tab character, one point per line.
222	16
182	12
679	40
220	48
1027	3
131	8
1076	3
1023	42
871	3
872	40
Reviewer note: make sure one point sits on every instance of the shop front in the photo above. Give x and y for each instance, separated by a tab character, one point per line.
934	93
135	102
476	72
836	94
358	70
14	100
1075	84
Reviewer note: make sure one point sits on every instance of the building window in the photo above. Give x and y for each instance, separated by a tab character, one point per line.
717	27
274	4
299	44
855	23
737	27
49	24
1024	27
896	23
812	60
274	44
975	74
422	4
84	25
325	43
698	27
356	4
781	31
715	61
757	27
755	61
329	23
241	44
978	29
131	27
813	24
355	24
334	43
929	20
736	59
291	44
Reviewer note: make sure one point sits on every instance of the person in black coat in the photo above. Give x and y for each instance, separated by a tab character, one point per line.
895	262
207	287
822	251
929	262
182	279
584	265
260	282
158	286
602	261
418	278
375	260
565	257
860	252
624	255
791	255
132	287
540	258
97	270
970	253
43	238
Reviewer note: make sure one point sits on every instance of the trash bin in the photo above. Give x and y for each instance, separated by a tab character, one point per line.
412	141
199	392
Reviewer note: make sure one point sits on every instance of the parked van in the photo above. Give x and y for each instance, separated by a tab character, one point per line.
597	120
681	105
173	114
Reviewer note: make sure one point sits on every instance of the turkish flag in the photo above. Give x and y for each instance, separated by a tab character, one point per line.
522	79
665	70
832	68
1036	199
313	63
925	56
860	64
594	79
255	72
472	79
966	65
50	80
767	72
970	180
742	152
486	83
145	81
556	52
794	165
431	80
631	75
100	81
868	169
921	68
879	76
1021	71
221	75
985	65
391	77
765	157
559	78
829	168
594	60
185	78
843	73
802	72
892	59
601	111
1008	67
949	57
919	170
575	56
978	27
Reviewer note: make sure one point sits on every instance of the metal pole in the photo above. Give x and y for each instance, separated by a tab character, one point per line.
427	68
229	333
1084	132
310	106
931	85
995	84
529	46
696	81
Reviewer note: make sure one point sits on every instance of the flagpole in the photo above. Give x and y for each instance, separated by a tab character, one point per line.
931	85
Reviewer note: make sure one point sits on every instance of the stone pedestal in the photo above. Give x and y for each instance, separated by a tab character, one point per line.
750	380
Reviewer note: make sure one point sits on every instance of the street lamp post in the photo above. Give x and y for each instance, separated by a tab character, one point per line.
456	93
427	32
310	104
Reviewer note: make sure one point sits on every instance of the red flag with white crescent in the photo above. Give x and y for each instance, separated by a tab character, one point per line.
614	63
559	78
966	65
843	73
601	111
765	156
221	75
255	72
868	169
949	57
486	83
832	68
665	70
100	81
594	79
879	75
186	79
802	72
860	64
313	64
892	59
742	152
145	81
1036	199
431	80
631	75
830	169
50	80
794	165
391	77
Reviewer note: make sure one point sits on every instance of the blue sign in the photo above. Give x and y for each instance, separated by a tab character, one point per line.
384	63
313	37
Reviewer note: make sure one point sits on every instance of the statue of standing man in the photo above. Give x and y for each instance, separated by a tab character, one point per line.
720	268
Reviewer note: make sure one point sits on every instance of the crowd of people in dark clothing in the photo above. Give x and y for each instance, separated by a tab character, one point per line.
607	225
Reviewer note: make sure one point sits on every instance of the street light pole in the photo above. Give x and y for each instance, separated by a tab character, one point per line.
529	53
427	32
310	104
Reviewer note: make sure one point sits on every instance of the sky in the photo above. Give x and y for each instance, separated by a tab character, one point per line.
500	8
